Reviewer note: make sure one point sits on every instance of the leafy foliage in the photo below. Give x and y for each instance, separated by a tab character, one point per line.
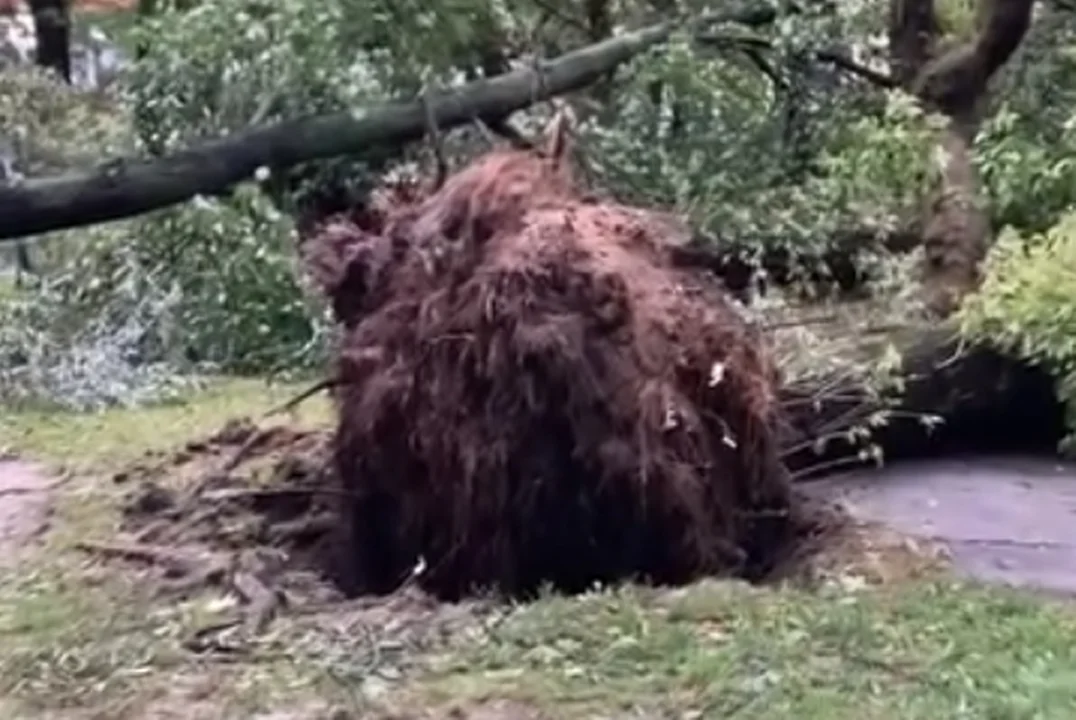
1026	148
741	128
715	145
1026	303
47	128
59	349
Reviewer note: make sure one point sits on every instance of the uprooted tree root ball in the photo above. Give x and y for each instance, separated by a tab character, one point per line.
530	393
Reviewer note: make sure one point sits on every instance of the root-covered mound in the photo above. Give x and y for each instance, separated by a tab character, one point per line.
530	393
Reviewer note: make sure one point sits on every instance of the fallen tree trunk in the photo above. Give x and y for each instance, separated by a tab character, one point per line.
985	402
126	187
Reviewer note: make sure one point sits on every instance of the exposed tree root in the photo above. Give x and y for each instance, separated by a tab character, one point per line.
185	572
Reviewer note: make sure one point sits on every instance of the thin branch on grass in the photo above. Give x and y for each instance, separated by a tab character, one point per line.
171	560
240	493
290	405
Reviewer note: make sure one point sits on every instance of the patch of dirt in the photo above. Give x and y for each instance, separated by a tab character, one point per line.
852	552
249	507
260	501
24	505
250	512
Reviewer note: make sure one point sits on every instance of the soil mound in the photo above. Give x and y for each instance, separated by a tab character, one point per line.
530	393
247	495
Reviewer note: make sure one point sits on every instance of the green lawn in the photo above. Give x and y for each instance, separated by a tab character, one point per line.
114	437
81	641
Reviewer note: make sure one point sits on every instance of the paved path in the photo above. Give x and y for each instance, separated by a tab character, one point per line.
1010	520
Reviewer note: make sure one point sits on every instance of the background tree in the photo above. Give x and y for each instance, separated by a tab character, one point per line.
52	27
949	70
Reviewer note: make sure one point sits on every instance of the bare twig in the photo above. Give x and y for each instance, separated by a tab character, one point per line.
486	132
265	492
433	132
287	407
831	57
303	528
172	561
262	602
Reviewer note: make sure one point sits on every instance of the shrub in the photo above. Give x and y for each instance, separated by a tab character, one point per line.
57	349
1026	304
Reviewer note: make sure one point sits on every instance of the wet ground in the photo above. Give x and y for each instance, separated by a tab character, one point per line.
24	505
1009	520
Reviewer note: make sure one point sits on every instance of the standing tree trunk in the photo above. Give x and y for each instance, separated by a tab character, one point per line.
145	9
52	26
951	78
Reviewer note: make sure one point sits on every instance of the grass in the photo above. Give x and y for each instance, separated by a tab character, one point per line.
83	641
939	650
96	441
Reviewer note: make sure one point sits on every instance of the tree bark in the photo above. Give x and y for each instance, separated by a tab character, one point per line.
127	187
953	81
52	28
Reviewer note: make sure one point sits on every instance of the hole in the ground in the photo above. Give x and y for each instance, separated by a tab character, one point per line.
547	542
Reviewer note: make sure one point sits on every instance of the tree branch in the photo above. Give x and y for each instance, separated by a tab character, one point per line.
954	81
127	187
912	30
843	62
131	186
831	57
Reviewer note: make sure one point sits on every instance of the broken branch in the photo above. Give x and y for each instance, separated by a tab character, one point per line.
126	187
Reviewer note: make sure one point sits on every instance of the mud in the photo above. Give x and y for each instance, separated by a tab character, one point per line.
24	505
259	494
1004	520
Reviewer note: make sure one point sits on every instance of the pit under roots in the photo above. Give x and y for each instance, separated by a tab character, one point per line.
265	502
